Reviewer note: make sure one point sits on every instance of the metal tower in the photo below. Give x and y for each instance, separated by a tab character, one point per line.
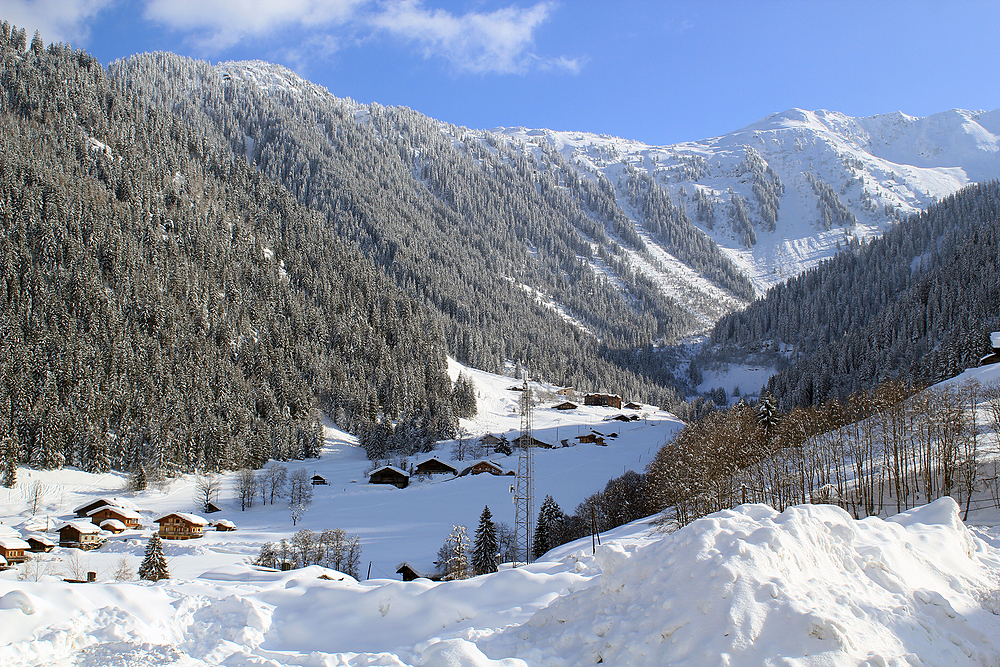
522	495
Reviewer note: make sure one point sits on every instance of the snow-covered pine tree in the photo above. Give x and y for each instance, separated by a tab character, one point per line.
486	547
549	517
154	563
453	556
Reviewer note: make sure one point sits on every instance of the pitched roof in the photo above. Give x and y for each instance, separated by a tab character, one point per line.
13	543
112	523
117	502
85	527
393	468
127	513
190	518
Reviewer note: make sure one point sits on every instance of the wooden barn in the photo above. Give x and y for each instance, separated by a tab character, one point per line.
633	406
14	549
181	526
79	534
390	475
319	480
409	573
113	526
534	442
435	466
591	438
40	544
565	406
480	467
128	518
212	508
604	400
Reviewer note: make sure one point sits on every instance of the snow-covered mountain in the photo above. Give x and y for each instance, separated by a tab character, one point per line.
786	192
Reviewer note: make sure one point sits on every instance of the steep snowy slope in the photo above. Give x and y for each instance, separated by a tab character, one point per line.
805	180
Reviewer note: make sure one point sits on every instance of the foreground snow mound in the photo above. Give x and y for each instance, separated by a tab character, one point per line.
808	586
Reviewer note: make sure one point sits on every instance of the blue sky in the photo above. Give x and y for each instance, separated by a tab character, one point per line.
660	71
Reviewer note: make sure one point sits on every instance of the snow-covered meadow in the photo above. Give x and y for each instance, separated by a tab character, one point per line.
749	586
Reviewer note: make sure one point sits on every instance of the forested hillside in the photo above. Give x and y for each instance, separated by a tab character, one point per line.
915	305
518	259
166	307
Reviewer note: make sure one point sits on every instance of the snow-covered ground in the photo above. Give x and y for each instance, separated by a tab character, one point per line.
750	586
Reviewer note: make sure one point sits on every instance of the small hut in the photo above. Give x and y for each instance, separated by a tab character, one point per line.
319	480
409	573
212	508
489	467
566	406
113	526
390	475
633	406
224	525
40	544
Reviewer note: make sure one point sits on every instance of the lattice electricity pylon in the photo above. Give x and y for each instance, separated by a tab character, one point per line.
522	494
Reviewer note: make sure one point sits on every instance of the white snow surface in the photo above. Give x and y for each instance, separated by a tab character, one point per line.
749	586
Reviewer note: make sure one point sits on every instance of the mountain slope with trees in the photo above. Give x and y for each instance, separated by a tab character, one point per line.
166	307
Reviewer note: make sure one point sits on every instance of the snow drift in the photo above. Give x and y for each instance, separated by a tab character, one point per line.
750	586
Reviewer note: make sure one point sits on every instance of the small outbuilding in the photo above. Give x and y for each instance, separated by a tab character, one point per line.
80	535
591	438
212	508
435	466
409	573
39	544
532	442
566	406
13	549
113	526
633	406
181	526
319	480
488	467
390	475
490	440
224	525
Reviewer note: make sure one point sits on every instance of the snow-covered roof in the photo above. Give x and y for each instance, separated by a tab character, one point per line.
112	524
117	502
7	531
394	468
13	543
85	527
41	539
225	522
127	513
190	518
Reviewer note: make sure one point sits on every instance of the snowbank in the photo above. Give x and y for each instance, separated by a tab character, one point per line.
750	586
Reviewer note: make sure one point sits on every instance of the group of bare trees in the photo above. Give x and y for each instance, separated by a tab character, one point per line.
333	548
885	450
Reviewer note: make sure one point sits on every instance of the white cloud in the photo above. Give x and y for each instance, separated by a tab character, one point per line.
223	23
498	41
58	20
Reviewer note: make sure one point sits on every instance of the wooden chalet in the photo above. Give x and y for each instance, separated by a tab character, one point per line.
319	480
534	442
604	400
84	510
480	467
79	534
409	573
633	406
390	475
113	526
39	544
128	518
490	439
181	526
566	406
435	466
13	549
211	508
591	438
565	391
224	525
993	357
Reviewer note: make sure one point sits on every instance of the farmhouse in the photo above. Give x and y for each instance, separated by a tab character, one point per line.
181	526
84	510
435	466
390	475
604	400
533	442
79	534
128	518
591	438
490	440
13	549
633	406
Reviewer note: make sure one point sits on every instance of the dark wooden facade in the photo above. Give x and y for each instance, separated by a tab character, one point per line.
604	400
435	466
80	535
181	526
389	475
128	518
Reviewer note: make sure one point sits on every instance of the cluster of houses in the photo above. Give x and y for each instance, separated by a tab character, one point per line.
94	522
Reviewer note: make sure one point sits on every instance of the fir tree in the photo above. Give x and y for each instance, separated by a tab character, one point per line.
154	563
453	556
549	518
487	547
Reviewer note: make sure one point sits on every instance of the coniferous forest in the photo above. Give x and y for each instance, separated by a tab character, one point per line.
165	306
